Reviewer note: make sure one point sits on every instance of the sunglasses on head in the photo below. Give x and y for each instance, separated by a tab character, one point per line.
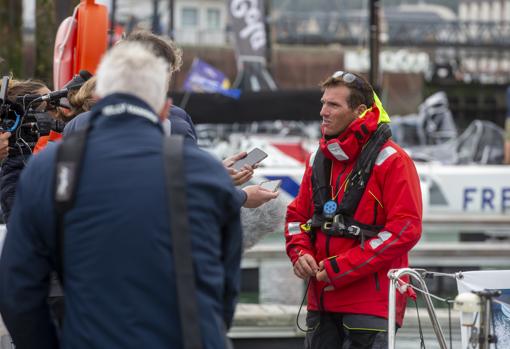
344	76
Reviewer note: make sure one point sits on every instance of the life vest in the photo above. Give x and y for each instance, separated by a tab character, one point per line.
337	219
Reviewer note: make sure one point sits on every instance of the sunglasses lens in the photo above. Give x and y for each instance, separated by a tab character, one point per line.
348	77
338	74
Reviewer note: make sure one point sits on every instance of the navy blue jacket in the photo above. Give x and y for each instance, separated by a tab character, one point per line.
181	123
180	120
120	288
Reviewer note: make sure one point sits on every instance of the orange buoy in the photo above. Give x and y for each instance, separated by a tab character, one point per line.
92	36
63	53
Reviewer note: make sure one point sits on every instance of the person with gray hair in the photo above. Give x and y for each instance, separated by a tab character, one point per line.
117	258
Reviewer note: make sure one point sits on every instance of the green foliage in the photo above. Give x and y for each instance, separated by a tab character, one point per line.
10	37
45	39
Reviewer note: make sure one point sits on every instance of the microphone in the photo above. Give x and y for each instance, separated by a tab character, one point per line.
25	99
76	82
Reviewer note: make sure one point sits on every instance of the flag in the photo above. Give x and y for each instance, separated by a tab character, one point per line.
203	77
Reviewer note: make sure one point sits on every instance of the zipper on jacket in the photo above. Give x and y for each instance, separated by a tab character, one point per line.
328	238
377	286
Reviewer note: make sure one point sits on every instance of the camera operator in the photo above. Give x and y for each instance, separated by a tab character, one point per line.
19	149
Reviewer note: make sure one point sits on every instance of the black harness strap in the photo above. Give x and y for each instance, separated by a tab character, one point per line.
343	223
68	167
181	242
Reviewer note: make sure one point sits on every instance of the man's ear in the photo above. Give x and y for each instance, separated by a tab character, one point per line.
165	110
361	109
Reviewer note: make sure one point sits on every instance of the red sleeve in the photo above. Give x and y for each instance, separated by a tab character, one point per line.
402	202
299	212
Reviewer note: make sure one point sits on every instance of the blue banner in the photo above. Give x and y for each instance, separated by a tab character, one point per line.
203	77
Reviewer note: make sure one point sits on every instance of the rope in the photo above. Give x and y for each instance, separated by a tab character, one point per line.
425	292
422	340
501	302
301	306
450	321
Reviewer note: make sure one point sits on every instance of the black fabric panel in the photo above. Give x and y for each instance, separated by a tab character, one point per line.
251	106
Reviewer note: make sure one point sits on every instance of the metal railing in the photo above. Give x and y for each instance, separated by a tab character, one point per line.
395	276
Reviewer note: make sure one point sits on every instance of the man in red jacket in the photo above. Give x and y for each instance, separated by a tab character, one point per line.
357	214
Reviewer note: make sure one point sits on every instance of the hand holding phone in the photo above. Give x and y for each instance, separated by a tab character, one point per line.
254	157
272	185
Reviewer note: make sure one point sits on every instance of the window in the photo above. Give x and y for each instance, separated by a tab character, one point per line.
189	17
213	18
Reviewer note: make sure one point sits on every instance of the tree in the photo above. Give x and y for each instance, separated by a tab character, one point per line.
10	37
49	15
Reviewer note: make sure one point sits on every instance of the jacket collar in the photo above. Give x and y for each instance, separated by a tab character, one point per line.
347	146
121	104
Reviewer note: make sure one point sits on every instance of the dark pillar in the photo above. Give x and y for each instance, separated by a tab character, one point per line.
171	17
375	6
113	11
155	17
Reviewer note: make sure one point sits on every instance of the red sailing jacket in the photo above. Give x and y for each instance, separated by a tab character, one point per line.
392	199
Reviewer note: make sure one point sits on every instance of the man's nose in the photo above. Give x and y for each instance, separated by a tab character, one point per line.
324	111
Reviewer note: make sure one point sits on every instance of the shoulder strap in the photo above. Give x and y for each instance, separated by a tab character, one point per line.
181	242
68	166
362	171
321	172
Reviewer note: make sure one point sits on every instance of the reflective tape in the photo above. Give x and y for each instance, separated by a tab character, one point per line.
337	151
293	228
384	155
375	243
384	235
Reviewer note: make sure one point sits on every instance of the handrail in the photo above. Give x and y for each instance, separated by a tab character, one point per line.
394	275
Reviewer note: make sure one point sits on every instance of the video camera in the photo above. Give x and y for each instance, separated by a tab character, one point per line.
22	119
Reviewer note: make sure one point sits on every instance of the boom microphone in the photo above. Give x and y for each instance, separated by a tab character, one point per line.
73	84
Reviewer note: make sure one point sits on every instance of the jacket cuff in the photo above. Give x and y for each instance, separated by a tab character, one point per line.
333	269
241	197
298	252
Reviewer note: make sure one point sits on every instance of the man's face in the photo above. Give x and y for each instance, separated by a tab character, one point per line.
336	113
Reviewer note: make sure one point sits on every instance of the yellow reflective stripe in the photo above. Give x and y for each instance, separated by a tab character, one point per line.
305	227
363	329
376	199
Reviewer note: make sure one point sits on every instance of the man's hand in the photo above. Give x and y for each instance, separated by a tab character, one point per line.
228	162
321	274
256	196
4	145
305	267
238	177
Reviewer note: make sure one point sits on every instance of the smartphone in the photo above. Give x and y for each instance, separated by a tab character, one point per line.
254	157
272	185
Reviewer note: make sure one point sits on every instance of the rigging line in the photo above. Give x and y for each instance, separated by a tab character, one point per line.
425	292
435	273
501	302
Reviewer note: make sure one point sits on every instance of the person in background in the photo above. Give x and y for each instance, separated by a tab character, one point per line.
179	122
118	267
357	214
82	100
19	151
